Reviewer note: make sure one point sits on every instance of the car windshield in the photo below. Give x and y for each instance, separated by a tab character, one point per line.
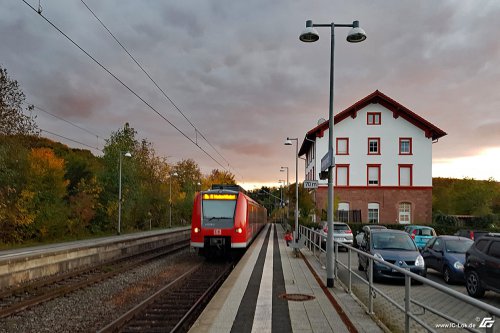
458	245
392	241
218	209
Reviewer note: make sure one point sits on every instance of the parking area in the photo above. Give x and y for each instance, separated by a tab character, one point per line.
425	295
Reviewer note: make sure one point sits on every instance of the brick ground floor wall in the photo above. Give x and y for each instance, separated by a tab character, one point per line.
388	199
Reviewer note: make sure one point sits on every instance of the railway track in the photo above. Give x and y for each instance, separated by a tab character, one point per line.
174	307
19	299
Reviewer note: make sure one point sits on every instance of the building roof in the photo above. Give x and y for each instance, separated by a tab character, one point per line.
398	110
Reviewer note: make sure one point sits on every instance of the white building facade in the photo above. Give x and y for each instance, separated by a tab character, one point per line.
383	162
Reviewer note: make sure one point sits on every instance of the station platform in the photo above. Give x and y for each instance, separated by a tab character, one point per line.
274	290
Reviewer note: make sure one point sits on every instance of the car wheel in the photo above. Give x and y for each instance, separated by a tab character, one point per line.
473	284
447	275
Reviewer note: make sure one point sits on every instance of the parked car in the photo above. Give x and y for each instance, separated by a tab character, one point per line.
393	246
472	234
482	265
446	254
420	234
341	233
364	230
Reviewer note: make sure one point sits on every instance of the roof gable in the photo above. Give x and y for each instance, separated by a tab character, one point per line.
398	110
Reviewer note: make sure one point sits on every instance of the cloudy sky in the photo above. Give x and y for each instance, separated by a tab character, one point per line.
239	73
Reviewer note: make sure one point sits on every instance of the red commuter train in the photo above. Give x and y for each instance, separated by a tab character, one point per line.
225	220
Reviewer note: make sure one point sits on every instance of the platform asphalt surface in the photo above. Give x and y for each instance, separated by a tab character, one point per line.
254	297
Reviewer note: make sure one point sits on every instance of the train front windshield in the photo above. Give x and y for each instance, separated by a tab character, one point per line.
218	210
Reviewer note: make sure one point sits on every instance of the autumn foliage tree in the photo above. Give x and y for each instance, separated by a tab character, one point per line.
12	118
47	188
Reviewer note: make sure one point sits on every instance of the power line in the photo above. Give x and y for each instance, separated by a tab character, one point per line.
154	82
67	121
72	140
124	84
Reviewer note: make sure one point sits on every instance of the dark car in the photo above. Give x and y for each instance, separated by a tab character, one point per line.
393	246
482	265
446	254
472	234
366	229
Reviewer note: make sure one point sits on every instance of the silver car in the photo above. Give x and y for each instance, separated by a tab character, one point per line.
366	230
341	233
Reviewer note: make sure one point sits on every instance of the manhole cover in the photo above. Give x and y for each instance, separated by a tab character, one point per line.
296	297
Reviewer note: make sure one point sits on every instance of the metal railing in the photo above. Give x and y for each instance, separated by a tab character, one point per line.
314	240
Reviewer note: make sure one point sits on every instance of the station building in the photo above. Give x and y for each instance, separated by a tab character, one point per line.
383	162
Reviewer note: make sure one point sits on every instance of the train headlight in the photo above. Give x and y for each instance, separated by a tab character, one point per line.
196	230
239	230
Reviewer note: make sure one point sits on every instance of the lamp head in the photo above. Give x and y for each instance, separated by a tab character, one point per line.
356	34
127	154
288	142
309	35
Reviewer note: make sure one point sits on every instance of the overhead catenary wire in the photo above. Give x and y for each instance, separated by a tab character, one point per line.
72	140
197	131
67	121
125	85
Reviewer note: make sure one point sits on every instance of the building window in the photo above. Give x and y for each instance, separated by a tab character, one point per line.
342	175
405	146
373	174
405	213
373	146
342	146
373	212
373	118
405	175
343	212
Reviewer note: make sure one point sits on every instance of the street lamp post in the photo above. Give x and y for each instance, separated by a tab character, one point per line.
127	154
288	142
170	200
282	182
287	187
355	35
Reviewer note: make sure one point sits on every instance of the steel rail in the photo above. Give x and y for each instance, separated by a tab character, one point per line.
100	273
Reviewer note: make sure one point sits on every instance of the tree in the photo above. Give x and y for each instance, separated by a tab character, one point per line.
12	118
47	190
218	177
16	209
188	176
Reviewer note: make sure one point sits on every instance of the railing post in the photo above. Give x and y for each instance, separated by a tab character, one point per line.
407	302
349	269
370	285
335	262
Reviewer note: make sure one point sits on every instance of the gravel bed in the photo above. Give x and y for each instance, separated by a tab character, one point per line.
92	308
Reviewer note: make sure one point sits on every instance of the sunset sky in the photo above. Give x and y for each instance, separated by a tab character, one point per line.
240	75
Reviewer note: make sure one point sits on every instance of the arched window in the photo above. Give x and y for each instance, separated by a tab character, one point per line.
343	212
404	213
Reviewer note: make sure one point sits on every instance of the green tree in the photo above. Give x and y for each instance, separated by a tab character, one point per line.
306	203
186	183
16	205
120	142
12	118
